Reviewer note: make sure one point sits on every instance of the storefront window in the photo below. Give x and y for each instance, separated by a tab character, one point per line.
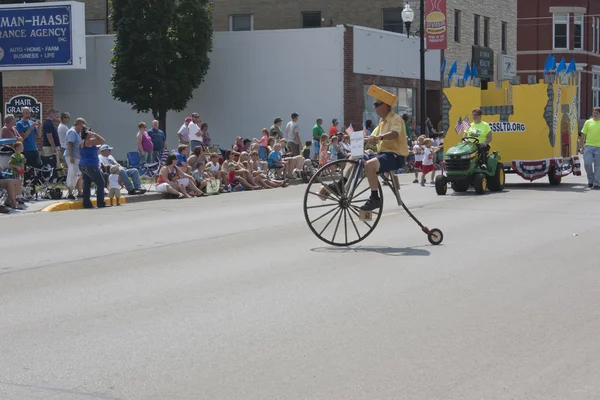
405	102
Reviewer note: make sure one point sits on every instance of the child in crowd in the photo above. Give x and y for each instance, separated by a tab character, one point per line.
324	153
17	161
428	157
336	149
114	185
306	149
418	151
213	169
276	157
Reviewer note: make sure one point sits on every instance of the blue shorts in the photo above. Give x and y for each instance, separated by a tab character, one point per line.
389	162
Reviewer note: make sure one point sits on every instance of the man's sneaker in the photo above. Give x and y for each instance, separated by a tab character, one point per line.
483	167
4	210
432	182
423	182
590	185
416	181
371	204
141	191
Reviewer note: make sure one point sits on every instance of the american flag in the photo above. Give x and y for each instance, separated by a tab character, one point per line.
458	126
350	129
466	124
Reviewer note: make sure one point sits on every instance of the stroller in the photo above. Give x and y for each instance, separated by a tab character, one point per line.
42	183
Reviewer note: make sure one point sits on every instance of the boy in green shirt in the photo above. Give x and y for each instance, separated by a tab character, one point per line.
17	161
317	132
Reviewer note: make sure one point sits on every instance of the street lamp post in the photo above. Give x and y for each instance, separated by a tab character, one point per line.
408	16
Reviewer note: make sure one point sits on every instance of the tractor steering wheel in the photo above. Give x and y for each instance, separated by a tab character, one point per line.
469	138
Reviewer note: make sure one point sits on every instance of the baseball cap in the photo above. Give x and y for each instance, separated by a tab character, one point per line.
277	120
188	119
105	147
334	121
294	115
238	138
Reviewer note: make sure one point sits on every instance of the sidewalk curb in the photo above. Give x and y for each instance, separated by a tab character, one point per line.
78	204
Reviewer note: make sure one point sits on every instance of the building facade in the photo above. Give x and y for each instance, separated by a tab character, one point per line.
483	32
564	28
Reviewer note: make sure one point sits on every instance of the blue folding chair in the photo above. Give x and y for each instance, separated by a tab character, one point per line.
133	161
147	171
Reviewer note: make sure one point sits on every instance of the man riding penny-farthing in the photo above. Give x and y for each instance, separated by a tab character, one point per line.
341	208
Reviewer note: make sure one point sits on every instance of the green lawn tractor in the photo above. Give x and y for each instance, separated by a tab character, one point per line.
462	170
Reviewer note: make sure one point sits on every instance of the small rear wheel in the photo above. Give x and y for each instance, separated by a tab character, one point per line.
553	179
435	236
441	185
480	183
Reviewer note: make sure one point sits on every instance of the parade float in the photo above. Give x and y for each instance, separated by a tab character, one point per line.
534	126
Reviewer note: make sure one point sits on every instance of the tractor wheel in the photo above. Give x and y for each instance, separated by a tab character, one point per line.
441	185
480	183
496	182
460	186
553	179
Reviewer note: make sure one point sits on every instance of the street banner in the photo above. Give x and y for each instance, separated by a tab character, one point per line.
436	27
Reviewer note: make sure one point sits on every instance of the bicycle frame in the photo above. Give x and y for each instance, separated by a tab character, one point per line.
388	178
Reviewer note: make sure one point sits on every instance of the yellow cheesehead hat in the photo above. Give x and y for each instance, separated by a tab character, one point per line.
382	95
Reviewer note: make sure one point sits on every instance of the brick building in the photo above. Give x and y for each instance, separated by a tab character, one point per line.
564	28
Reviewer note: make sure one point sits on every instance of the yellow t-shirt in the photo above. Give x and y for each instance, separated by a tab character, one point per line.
399	145
591	129
479	130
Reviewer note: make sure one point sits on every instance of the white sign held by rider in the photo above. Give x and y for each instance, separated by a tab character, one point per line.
357	144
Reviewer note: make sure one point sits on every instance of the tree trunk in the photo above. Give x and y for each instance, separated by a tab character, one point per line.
161	117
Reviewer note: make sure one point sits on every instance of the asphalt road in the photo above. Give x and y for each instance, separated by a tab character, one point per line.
232	297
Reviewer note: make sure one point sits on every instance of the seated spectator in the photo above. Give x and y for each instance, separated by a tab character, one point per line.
346	146
295	164
197	165
107	160
306	149
183	151
254	177
276	158
8	130
239	171
238	146
213	169
236	180
259	170
14	189
168	179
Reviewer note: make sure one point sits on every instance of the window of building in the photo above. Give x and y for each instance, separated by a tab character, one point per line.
476	30
97	27
594	37
241	22
311	19
560	31
392	20
578	33
596	89
486	32
504	38
405	105
457	26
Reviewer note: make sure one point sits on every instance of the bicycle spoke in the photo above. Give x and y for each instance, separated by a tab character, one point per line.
358	215
361	193
337	226
345	226
338	197
322	205
324	215
332	218
355	227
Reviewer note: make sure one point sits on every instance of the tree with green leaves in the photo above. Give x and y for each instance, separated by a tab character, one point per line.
161	53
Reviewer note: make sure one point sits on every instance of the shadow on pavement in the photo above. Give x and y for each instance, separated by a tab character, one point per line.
387	251
80	395
546	187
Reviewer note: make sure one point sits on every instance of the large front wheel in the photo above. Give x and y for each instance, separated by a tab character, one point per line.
332	204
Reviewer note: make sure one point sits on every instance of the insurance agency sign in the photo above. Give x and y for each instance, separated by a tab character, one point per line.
42	36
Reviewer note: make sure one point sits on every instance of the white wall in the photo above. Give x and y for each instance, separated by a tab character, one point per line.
253	78
392	54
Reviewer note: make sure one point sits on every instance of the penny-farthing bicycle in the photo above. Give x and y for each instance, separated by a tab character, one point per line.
333	199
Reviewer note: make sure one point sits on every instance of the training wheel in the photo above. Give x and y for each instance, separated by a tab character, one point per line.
435	236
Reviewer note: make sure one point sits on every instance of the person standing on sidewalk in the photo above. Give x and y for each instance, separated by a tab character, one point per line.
590	147
30	131
292	135
89	164
318	131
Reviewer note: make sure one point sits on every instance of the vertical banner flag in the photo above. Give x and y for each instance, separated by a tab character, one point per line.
436	28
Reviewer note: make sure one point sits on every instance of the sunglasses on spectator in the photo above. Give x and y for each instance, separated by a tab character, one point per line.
377	104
